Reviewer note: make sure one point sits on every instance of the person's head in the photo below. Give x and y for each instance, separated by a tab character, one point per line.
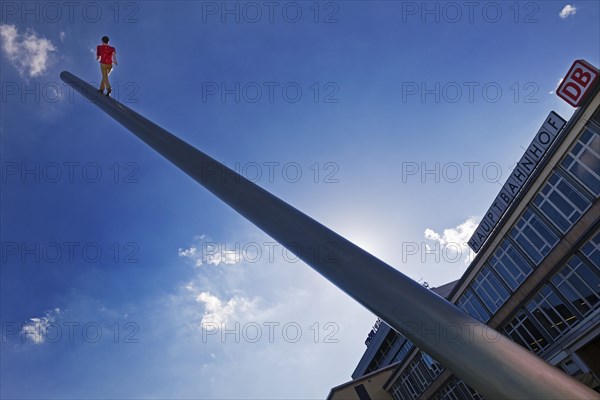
105	39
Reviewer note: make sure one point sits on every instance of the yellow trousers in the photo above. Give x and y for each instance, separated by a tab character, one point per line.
105	70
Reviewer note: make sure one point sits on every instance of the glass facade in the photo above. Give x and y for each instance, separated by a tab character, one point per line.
419	374
489	289
592	250
550	312
572	294
510	265
403	352
389	342
560	202
523	331
583	161
533	236
470	304
578	283
455	389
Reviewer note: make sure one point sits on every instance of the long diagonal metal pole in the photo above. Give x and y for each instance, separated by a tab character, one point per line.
482	357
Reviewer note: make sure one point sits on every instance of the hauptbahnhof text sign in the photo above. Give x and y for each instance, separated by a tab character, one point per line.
517	179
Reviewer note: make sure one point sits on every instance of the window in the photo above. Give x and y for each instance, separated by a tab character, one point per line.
592	250
550	311
561	202
533	236
419	374
579	285
450	391
510	265
525	333
455	389
433	366
469	303
414	380
403	352
383	351
583	161
397	393
489	289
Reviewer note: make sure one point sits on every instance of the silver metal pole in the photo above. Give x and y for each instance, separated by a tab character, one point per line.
482	357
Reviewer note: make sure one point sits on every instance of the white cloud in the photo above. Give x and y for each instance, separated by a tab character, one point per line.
217	254
213	253
272	295
37	328
567	11
217	311
193	254
454	240
29	53
333	331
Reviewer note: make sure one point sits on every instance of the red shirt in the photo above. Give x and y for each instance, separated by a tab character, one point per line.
105	52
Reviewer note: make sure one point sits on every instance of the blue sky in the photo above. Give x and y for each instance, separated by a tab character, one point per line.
123	278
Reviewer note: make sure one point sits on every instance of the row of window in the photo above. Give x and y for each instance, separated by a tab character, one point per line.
456	389
501	275
492	286
570	296
583	161
405	349
561	202
416	377
565	196
557	206
390	340
533	236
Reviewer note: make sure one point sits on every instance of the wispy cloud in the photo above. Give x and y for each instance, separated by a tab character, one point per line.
557	85
223	311
211	254
37	327
193	254
567	11
219	311
454	240
208	252
62	36
28	52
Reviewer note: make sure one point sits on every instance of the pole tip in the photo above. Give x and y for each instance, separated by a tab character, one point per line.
64	74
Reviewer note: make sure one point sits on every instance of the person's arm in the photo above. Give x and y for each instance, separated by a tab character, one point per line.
114	58
98	53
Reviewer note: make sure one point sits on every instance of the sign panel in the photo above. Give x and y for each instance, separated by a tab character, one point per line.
535	152
579	80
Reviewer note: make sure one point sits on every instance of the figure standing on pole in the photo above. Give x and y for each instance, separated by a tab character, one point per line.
107	56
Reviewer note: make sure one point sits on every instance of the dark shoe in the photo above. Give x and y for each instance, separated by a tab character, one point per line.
108	92
100	91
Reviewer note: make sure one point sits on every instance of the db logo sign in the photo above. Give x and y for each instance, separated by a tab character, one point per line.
578	82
